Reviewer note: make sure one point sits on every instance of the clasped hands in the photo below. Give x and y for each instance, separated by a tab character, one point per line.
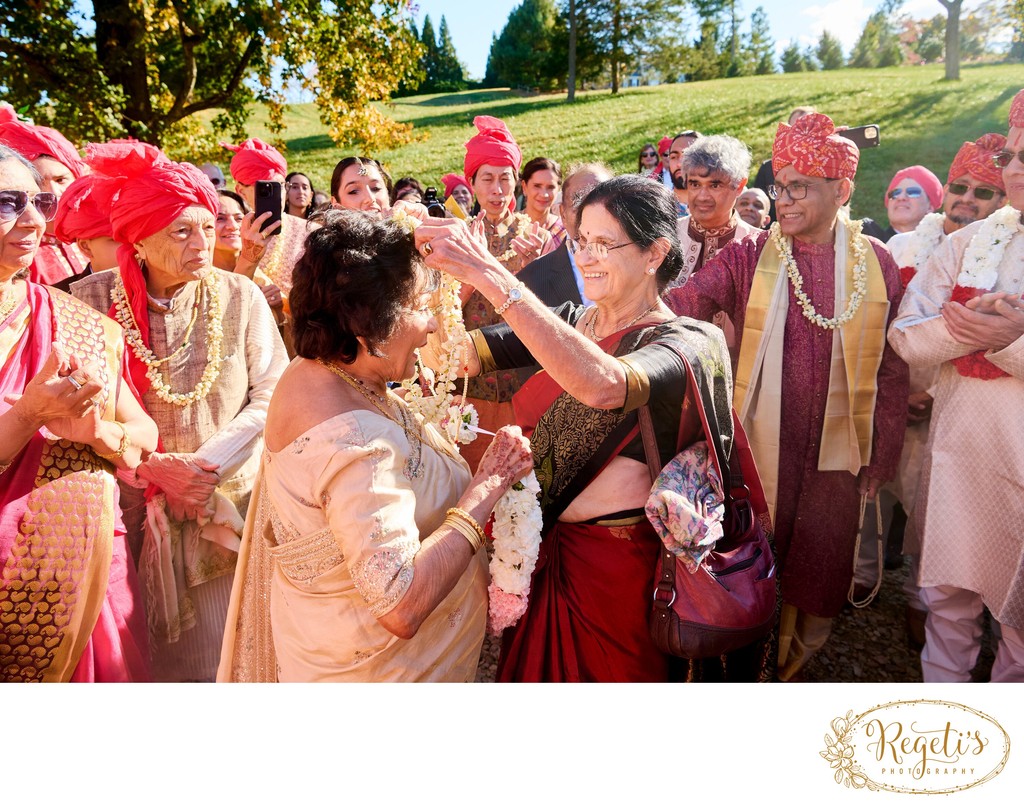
989	322
188	482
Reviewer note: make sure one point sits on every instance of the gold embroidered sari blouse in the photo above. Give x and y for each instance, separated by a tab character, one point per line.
345	524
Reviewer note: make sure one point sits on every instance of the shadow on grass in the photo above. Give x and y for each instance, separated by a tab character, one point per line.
309	143
460	99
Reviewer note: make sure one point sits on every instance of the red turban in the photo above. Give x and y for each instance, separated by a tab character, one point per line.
664	145
1017	111
975	159
812	147
493	145
453	181
143	192
79	215
255	160
924	178
38	141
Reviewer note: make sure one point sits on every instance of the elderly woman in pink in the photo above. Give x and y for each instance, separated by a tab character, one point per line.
69	600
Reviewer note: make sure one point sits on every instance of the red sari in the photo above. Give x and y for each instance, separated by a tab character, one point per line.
69	600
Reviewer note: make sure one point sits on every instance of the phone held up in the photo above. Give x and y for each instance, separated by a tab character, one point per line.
269	197
864	137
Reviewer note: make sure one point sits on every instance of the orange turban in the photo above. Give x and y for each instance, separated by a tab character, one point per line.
38	141
79	214
143	192
493	145
255	160
975	159
1017	111
453	181
812	147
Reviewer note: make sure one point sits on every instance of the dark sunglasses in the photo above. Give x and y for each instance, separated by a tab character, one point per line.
960	189
912	193
14	203
648	154
1003	159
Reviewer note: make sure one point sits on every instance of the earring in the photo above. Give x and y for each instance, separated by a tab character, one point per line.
652	270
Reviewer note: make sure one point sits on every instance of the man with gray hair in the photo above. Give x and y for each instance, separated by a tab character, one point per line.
716	169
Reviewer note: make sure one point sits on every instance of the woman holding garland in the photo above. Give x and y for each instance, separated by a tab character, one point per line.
70	607
204	356
363	562
592	587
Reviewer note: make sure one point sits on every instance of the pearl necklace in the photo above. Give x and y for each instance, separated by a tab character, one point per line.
860	274
413	464
214	338
592	322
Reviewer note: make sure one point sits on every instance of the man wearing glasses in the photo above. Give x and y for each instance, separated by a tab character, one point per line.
822	396
964	314
974	190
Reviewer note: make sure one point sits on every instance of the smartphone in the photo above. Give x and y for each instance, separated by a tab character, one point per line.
864	136
434	206
269	197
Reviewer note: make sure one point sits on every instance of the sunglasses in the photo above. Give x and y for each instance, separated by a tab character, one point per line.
648	154
912	193
1003	159
14	203
960	189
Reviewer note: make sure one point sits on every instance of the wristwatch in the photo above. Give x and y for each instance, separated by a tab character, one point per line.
514	296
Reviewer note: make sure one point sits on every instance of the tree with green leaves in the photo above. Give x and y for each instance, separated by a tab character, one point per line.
793	59
878	44
760	47
451	75
829	52
931	38
522	54
1016	13
146	69
429	60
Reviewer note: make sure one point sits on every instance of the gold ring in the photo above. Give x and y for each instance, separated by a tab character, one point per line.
427	249
75	382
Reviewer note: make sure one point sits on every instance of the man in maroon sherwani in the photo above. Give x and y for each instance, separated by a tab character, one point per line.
820	392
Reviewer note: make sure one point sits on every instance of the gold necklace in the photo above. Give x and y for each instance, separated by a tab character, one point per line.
592	329
413	464
8	305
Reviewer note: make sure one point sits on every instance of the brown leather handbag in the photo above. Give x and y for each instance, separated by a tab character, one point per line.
730	601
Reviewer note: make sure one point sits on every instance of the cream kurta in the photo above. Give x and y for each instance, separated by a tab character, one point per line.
971	499
346	522
225	427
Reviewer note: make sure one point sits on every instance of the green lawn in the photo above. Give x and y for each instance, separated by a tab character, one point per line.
923	119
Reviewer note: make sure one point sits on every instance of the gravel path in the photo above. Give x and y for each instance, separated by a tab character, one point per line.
866	646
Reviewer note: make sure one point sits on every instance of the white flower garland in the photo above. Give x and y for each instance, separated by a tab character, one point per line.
927	236
980	268
860	273
520	222
517	516
214	340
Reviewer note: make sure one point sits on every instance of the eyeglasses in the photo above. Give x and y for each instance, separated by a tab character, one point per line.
598	250
664	154
648	154
14	203
980	192
912	193
796	191
1003	159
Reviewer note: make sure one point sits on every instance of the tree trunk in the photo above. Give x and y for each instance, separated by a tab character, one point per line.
572	52
121	49
952	38
616	45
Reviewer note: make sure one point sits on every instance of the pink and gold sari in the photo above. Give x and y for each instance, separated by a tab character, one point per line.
69	606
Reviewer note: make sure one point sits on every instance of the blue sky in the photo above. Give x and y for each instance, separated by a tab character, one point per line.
472	22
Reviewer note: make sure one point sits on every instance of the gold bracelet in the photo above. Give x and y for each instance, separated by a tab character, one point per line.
465	530
463	515
122	447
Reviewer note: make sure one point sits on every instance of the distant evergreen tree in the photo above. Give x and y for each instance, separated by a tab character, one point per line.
450	75
521	55
829	52
759	50
429	41
793	60
878	44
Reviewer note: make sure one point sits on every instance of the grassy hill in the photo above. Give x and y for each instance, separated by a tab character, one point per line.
923	119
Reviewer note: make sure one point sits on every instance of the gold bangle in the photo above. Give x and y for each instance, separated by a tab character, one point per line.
122	446
465	530
464	516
